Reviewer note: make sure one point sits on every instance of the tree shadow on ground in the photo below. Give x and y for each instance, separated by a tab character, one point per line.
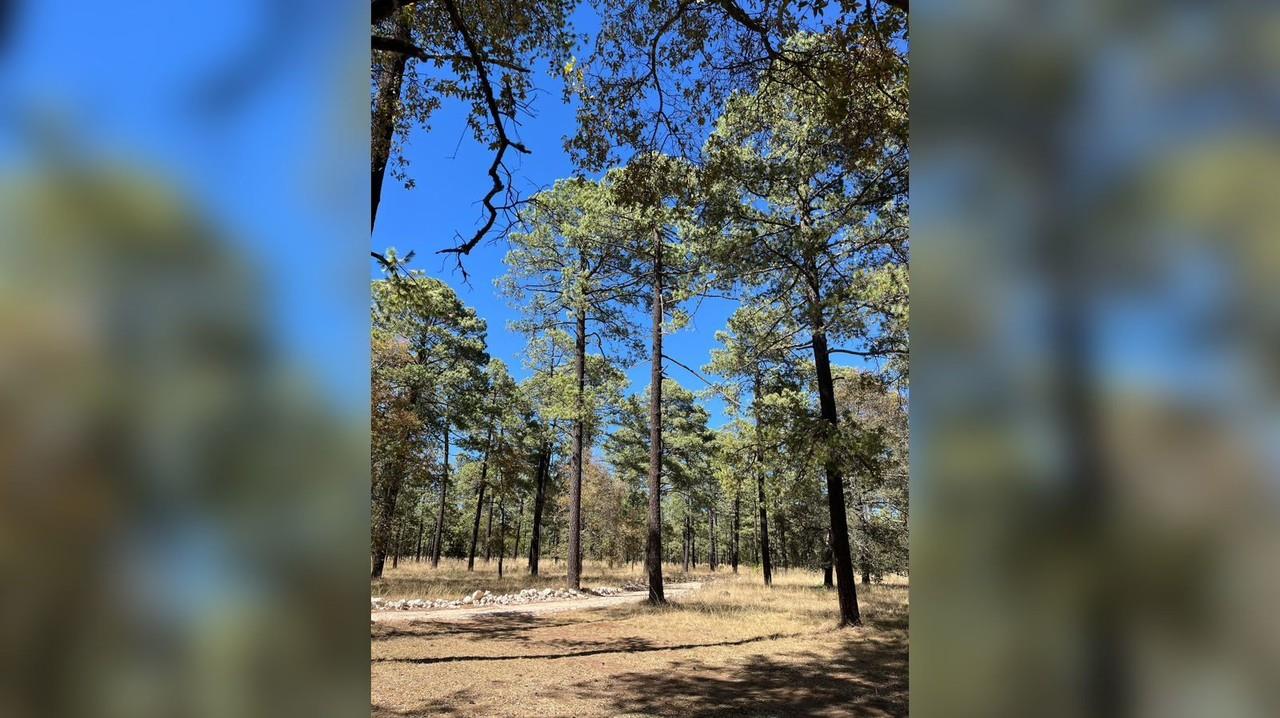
618	645
862	678
457	703
493	626
881	617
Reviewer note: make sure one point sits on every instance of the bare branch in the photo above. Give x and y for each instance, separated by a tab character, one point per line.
404	47
503	142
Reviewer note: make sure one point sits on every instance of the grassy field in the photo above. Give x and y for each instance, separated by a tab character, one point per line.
733	648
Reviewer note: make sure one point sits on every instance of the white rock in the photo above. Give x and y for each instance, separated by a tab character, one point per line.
467	600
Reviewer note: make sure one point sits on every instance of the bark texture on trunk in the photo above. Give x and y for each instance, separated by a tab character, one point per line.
763	528
383	124
841	553
653	546
574	558
535	536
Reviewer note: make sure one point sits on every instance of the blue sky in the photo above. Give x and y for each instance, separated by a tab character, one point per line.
450	177
449	169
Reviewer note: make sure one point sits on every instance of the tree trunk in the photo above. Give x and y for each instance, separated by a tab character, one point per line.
687	549
574	573
515	552
693	539
653	546
383	125
711	537
502	536
444	495
387	503
488	532
782	539
475	526
422	528
841	555
864	543
535	540
763	532
395	552
826	563
737	506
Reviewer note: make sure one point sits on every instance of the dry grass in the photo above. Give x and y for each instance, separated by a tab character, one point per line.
451	580
734	648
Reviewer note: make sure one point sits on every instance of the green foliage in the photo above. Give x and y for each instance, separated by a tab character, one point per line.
659	72
772	168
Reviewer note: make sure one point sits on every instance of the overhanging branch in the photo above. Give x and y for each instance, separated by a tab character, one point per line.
391	44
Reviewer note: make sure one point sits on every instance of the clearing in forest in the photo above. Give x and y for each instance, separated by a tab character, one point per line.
731	647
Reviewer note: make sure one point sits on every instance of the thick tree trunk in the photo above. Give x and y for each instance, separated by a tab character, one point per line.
386	106
444	496
574	574
535	539
841	554
737	507
488	532
653	545
763	532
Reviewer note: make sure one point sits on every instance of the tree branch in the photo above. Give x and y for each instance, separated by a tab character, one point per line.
504	141
391	44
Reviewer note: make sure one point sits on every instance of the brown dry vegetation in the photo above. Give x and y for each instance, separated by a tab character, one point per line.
732	648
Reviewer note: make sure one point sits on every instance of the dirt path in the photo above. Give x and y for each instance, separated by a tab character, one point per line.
673	590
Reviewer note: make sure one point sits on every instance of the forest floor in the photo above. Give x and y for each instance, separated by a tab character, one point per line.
670	590
732	647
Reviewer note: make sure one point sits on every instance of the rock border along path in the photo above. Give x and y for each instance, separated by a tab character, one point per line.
467	611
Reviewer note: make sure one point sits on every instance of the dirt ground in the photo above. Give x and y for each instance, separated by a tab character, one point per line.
453	615
730	648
